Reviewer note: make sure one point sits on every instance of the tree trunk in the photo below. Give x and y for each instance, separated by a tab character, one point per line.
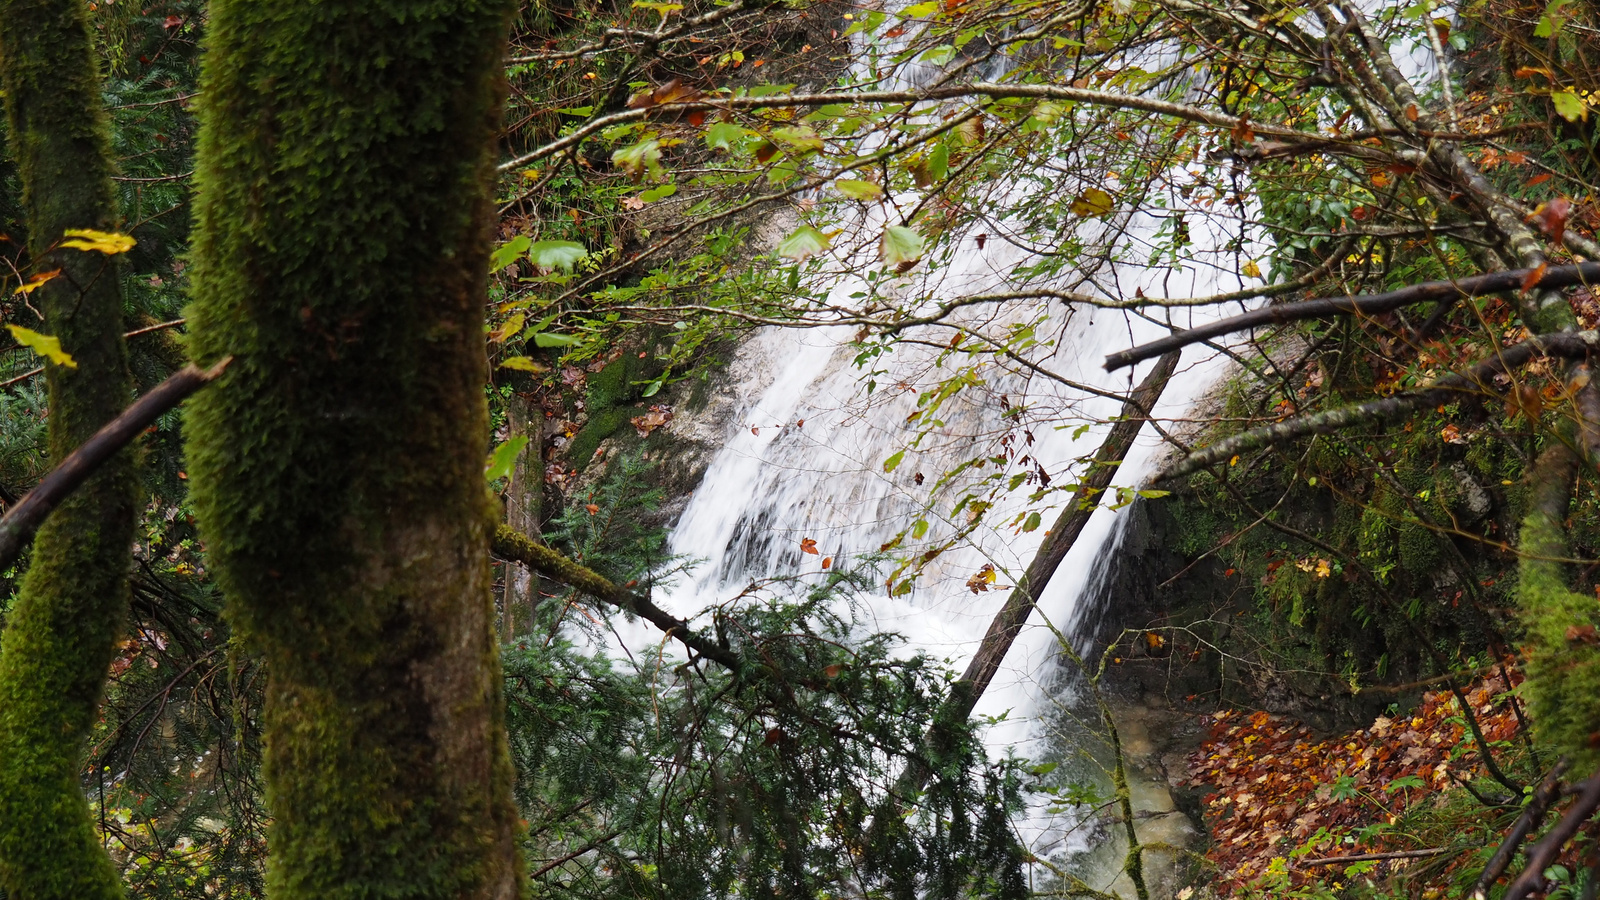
61	634
341	255
524	510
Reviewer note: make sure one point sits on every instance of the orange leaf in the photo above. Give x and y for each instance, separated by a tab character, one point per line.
807	545
827	561
1532	278
1540	178
1551	217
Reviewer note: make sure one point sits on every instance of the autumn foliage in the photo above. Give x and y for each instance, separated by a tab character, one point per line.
1287	804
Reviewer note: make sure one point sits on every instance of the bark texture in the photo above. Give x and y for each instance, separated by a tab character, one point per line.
343	230
524	511
60	635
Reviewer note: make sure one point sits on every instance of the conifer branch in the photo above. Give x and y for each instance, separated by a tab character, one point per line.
22	520
1552	278
515	546
1475	379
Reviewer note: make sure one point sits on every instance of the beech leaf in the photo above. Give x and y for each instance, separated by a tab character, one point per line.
856	189
561	255
806	242
901	245
107	242
1092	203
46	345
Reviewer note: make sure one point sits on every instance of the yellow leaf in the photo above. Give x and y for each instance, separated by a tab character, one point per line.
1251	270
107	242
45	345
1092	203
524	364
37	281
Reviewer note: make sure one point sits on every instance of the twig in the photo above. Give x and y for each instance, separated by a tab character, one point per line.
1548	791
31	511
1367	304
1544	852
1366	857
131	334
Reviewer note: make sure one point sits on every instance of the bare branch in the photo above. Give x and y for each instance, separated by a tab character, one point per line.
22	520
1565	345
1552	278
518	547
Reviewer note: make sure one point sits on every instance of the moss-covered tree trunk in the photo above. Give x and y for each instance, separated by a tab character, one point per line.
344	209
60	635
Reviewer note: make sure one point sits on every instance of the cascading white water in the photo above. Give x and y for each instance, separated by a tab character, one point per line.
803	456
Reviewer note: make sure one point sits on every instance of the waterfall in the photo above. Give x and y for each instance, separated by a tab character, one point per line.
803	455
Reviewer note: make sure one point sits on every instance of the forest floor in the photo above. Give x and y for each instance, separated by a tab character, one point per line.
1385	810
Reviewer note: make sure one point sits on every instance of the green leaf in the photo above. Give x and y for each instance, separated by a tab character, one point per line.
799	138
858	190
658	193
1092	203
1406	781
806	242
639	160
1569	105
939	55
504	457
556	254
921	10
662	8
1551	21
918	529
523	364
939	163
45	345
556	340
653	388
1032	522
725	136
901	245
507	252
893	462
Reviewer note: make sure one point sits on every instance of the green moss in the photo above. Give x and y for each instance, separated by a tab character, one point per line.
1563	683
600	426
341	254
61	632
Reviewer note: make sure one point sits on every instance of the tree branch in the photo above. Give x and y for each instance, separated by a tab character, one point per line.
1547	793
1368	304
518	547
22	520
1544	852
1477	378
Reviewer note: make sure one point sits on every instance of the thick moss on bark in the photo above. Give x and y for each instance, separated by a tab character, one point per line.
60	635
1563	663
344	175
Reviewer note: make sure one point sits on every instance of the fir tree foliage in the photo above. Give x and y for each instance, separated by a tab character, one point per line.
642	775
